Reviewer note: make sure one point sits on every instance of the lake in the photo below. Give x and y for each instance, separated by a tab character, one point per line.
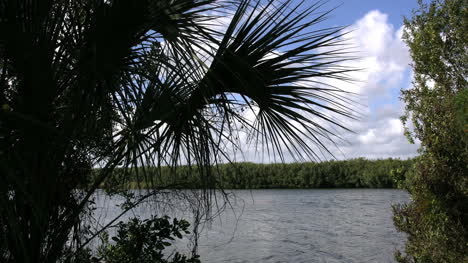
336	225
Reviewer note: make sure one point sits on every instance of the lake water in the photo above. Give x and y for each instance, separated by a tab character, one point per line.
344	225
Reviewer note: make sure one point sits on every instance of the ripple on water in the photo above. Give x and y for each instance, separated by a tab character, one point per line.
304	226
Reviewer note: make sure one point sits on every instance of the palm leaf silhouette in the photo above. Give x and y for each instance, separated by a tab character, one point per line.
139	85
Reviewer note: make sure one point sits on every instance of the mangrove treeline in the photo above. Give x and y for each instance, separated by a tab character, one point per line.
355	173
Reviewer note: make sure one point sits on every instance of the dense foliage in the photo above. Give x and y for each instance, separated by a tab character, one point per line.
356	173
135	84
143	241
436	220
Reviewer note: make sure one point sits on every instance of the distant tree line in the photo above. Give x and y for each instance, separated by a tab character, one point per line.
355	173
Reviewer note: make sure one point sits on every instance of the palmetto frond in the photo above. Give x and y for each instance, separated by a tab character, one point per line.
273	59
153	81
143	83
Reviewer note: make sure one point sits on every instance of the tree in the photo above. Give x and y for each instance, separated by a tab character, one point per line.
436	219
143	242
131	86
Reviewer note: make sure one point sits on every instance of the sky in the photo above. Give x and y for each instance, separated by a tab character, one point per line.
349	11
376	28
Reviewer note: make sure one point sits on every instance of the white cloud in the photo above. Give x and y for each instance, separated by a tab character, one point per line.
385	60
385	56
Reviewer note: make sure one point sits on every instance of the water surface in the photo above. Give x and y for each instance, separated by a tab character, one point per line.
339	225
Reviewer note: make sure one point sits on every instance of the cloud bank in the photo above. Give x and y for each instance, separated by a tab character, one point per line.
385	62
386	67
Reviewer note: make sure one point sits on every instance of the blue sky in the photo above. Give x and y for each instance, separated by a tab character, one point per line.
352	10
376	27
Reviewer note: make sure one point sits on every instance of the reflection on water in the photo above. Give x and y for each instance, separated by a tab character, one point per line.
297	226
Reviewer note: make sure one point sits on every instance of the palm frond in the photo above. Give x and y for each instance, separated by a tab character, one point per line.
275	58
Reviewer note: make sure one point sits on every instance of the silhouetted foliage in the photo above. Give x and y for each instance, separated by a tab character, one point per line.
143	241
133	84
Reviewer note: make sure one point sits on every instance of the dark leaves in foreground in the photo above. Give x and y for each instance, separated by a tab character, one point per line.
145	241
133	84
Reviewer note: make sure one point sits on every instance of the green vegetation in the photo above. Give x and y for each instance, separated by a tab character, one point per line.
436	220
356	173
143	241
